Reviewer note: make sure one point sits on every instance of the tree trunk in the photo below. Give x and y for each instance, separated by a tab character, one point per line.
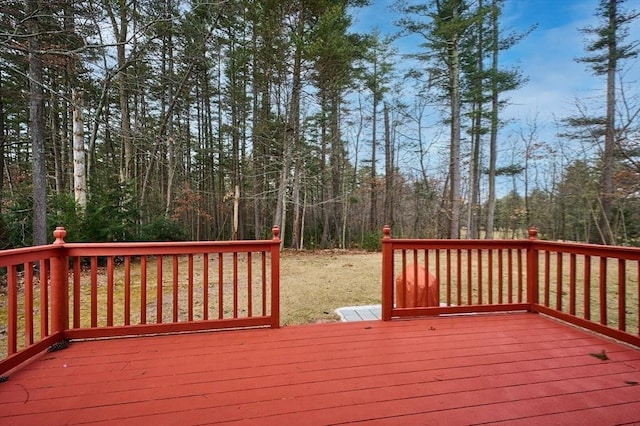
79	177
281	201
606	178
36	127
389	170
473	230
336	163
493	138
56	137
324	179
168	71
3	236
120	33
454	157
474	172
373	208
294	125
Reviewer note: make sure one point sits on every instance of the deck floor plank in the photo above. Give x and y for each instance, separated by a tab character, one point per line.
477	369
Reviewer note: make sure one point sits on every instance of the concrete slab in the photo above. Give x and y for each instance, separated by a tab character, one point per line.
359	313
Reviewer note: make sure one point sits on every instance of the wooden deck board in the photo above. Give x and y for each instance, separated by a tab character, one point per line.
451	370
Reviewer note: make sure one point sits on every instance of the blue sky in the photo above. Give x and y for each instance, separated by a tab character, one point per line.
546	56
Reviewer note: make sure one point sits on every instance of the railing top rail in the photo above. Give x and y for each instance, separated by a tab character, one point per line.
400	243
26	254
629	253
167	248
60	247
619	252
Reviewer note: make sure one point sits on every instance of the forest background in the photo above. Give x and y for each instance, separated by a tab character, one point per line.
130	120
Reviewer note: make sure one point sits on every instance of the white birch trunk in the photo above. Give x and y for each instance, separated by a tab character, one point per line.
79	175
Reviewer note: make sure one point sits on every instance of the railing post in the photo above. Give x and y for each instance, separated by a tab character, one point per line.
387	273
59	285
275	278
532	268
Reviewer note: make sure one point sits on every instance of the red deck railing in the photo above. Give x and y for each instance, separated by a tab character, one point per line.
591	286
71	290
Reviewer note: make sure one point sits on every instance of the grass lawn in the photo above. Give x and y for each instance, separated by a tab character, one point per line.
314	284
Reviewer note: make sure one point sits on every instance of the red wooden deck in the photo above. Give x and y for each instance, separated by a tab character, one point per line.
509	368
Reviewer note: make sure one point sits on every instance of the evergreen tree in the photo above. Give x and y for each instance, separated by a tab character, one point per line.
605	51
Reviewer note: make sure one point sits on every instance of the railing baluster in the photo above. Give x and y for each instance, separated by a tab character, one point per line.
12	310
175	305
387	290
469	256
520	276
533	272
205	286
547	276
159	289
622	295
572	283
264	283
603	290
510	275
490	275
28	303
249	285
587	287
459	275
559	281
143	290
500	276
402	297
190	287
479	267
110	291
449	275
275	277
427	271
77	271
44	298
416	279
235	285
438	276
220	287
94	291
127	291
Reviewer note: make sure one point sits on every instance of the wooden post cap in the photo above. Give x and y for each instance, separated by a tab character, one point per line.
386	232
59	233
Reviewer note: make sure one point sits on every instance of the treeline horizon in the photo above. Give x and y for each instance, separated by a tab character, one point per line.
159	120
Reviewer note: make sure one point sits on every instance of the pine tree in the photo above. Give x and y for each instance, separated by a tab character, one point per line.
606	51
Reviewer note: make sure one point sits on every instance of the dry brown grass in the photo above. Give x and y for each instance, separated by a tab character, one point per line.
314	284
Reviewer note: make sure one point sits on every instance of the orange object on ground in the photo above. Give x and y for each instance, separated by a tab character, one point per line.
419	289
